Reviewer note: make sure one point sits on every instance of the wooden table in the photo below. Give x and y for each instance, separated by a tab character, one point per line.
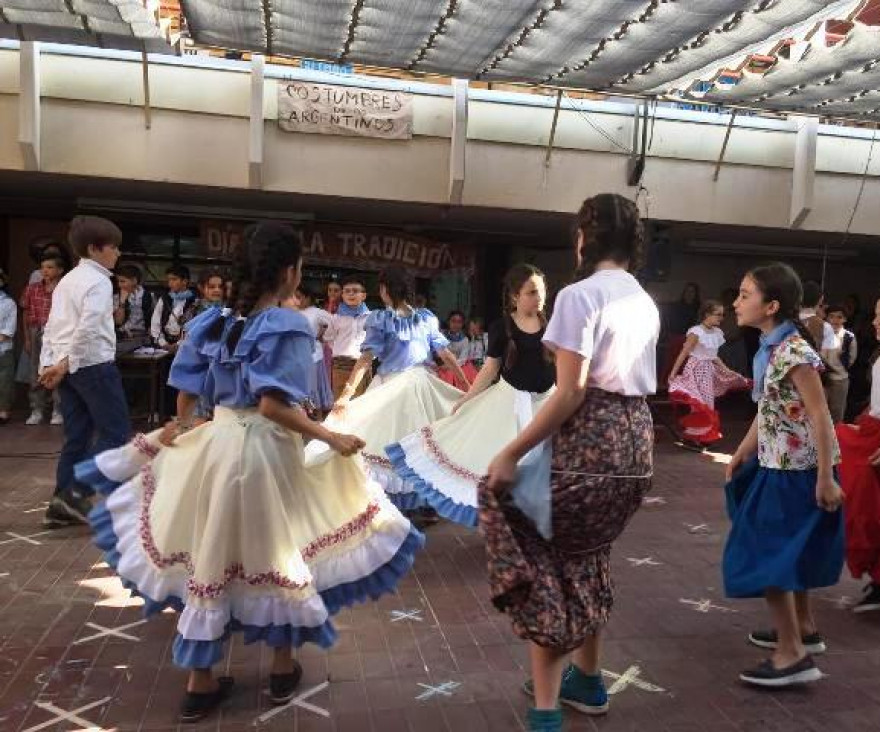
153	368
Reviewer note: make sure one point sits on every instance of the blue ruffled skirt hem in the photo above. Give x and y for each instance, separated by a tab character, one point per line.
203	654
426	493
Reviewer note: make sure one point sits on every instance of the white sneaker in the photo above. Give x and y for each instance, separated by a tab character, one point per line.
57	420
35	418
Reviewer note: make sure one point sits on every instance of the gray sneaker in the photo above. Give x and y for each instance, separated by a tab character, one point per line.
58	516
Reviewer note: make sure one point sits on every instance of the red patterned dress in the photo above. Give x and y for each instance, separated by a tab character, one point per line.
703	379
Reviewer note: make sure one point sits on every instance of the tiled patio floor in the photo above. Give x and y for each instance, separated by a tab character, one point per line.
433	657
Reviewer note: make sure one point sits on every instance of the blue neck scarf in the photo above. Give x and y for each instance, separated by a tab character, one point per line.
180	296
769	341
456	337
351	312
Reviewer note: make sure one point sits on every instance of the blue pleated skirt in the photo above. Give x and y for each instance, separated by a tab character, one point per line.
779	537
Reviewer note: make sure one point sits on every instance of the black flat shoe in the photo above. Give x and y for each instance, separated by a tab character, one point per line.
282	687
766	674
195	707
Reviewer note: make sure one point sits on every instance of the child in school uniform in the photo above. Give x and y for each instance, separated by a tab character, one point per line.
224	522
36	302
786	536
860	480
345	334
8	322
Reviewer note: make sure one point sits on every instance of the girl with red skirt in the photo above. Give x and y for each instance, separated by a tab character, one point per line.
860	480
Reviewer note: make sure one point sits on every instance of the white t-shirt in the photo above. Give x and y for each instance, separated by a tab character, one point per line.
875	390
318	320
609	319
710	340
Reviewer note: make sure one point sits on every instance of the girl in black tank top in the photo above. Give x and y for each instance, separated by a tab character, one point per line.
447	459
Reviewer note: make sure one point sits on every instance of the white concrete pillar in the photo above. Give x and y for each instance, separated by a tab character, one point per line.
804	173
29	104
458	145
255	146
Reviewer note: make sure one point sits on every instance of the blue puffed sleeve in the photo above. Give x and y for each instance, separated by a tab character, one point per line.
377	328
189	370
436	339
276	351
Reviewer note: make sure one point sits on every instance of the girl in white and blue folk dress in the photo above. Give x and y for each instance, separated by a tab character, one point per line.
446	461
787	533
320	392
404	395
225	522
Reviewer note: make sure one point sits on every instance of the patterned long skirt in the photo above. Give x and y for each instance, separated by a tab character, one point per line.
558	592
699	384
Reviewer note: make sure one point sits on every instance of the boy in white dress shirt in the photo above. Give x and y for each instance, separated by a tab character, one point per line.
79	359
346	333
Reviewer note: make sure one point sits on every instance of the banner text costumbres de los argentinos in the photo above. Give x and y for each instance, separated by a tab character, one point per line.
344	110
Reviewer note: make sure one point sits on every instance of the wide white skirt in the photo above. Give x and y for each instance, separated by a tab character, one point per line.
232	528
446	461
394	406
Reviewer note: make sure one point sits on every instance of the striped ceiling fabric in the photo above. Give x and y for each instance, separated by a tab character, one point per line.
125	24
809	56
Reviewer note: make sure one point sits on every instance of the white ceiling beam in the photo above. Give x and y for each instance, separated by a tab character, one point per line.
458	146
29	104
803	176
256	140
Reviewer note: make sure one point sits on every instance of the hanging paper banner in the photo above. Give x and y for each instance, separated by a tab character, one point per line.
344	110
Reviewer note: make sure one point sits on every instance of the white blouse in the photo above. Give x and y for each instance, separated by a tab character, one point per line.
611	321
708	343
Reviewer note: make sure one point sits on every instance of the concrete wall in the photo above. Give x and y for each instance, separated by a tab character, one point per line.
93	125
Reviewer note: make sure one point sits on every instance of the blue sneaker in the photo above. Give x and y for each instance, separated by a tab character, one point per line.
582	692
545	720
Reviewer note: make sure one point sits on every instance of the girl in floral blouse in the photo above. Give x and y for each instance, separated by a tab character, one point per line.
787	532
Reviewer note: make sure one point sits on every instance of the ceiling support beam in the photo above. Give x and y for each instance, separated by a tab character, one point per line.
458	146
29	104
635	165
720	161
803	176
553	129
255	145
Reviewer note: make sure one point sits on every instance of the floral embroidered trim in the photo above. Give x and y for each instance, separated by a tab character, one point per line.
353	527
143	445
235	572
440	458
377	460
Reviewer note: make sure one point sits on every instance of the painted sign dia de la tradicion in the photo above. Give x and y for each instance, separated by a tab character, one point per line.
325	109
365	248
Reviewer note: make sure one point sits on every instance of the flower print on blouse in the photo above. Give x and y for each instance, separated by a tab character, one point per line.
785	435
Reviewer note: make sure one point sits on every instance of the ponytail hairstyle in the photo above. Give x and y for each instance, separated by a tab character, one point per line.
612	229
268	249
515	279
397	284
777	281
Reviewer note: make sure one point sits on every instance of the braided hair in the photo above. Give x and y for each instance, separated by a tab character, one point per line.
777	281
612	229
515	279
268	250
